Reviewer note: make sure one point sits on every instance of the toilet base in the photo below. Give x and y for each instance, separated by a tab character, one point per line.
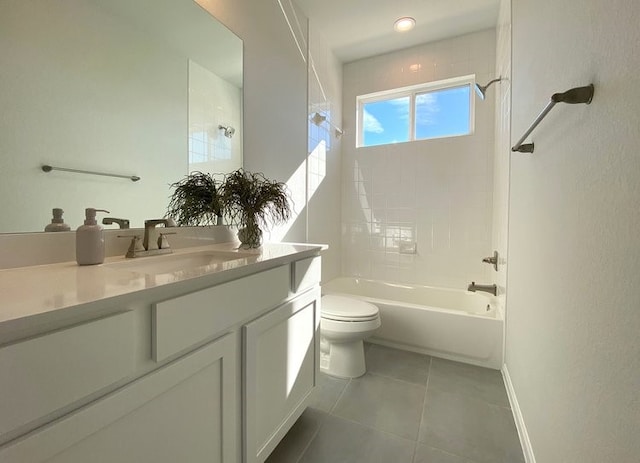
343	359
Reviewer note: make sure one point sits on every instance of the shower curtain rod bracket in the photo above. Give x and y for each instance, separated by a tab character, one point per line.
525	148
577	95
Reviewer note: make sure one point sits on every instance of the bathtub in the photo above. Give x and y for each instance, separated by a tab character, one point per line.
448	323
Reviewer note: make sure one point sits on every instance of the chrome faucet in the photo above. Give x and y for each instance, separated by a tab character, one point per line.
153	241
491	289
122	223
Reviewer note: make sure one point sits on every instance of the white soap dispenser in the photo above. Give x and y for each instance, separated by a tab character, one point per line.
90	239
57	223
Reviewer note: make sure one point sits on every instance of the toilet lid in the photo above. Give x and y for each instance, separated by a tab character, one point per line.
347	308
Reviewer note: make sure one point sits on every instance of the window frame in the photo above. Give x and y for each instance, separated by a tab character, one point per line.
412	91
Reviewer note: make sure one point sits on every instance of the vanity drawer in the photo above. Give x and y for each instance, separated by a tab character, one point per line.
187	320
43	374
306	274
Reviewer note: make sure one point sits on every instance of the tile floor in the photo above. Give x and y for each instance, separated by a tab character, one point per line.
408	408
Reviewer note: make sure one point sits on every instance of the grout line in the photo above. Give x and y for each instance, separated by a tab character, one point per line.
333	407
424	405
315	434
397	379
328	413
415	449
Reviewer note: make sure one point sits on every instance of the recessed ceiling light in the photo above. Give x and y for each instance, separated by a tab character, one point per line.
404	24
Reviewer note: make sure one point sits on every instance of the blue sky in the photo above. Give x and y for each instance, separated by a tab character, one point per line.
438	113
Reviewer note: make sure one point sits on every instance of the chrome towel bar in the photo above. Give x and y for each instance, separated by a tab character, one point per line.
572	96
47	168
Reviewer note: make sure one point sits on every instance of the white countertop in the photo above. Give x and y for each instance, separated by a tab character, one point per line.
41	294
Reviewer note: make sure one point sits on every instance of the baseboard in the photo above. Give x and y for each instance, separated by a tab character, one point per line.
529	457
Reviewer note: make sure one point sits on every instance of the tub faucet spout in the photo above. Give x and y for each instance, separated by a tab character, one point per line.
491	289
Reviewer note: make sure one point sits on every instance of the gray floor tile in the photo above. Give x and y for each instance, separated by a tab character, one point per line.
327	392
297	439
482	383
425	454
383	403
399	364
470	427
341	441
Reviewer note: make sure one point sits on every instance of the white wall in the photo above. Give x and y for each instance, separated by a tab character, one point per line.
275	94
325	152
277	79
573	310
439	191
120	109
502	153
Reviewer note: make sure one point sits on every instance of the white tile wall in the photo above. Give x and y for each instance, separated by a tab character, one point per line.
213	102
436	193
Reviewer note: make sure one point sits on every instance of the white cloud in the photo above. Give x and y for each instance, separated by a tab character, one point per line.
402	107
370	123
426	108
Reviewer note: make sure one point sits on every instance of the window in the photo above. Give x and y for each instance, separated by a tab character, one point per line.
433	110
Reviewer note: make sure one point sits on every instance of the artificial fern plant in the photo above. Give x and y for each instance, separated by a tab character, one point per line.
250	201
195	200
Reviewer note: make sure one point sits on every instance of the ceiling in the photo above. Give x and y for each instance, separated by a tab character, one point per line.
356	29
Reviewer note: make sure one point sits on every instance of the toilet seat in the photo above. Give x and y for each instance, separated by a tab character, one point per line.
347	309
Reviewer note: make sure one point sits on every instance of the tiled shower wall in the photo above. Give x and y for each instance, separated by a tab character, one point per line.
434	193
213	102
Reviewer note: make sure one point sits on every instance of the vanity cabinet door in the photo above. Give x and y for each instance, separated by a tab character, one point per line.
186	411
281	355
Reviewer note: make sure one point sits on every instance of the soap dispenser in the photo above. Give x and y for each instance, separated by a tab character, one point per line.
57	223
90	239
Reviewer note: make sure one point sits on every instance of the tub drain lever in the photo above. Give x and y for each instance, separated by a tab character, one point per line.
493	260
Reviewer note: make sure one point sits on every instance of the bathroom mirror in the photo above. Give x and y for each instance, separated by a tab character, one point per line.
145	88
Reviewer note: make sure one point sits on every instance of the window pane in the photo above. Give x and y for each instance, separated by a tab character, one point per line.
443	113
385	121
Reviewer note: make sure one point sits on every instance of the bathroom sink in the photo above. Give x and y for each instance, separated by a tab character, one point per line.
174	263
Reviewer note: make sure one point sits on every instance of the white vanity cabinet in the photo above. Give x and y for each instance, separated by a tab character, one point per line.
180	412
281	352
205	374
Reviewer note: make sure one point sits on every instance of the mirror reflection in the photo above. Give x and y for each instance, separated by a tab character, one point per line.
146	88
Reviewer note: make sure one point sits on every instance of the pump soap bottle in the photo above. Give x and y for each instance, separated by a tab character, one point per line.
57	223
90	239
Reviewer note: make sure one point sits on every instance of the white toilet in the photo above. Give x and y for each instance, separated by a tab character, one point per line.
344	323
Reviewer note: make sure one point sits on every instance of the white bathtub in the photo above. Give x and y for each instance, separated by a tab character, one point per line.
448	323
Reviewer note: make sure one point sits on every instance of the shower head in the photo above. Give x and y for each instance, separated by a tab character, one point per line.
318	118
481	89
228	130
